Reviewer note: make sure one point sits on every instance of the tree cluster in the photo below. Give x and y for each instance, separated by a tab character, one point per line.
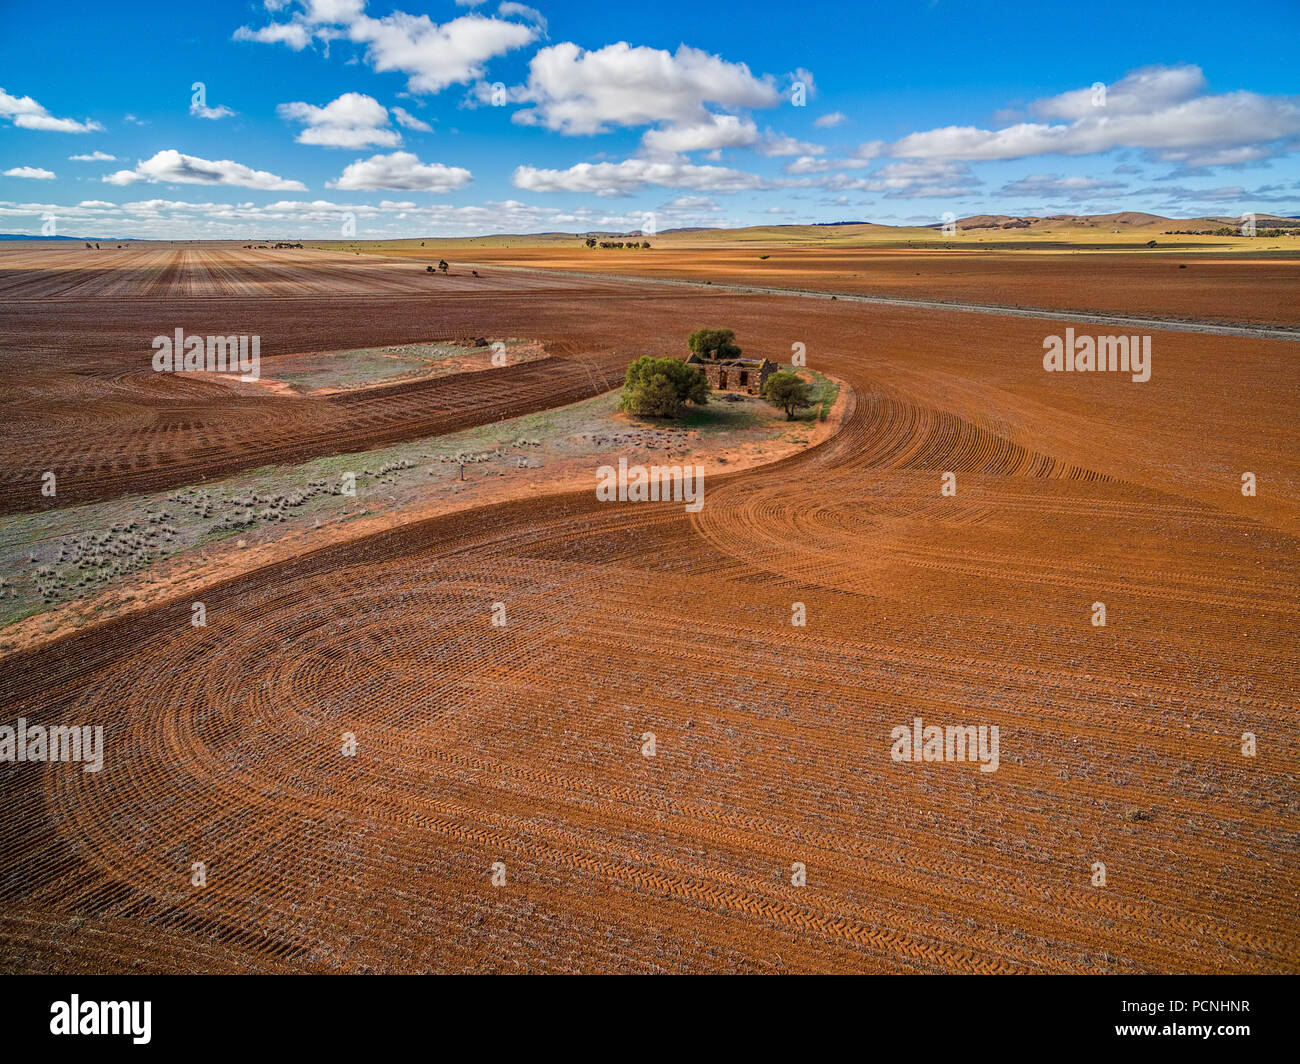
714	343
661	387
592	242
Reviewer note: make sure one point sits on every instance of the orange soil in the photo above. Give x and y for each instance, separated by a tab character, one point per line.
1212	287
522	744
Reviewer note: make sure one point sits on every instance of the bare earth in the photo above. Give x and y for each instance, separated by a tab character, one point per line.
523	744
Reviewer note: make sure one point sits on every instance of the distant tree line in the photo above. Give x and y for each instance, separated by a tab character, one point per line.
592	242
1230	230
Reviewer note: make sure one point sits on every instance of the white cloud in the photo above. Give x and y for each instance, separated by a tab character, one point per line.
295	34
26	113
862	156
777	144
831	120
809	164
909	179
171	167
35	172
1219	196
523	11
718	131
805	78
1049	185
1139	92
200	110
612	179
432	56
436	56
1240	156
580	92
333	10
1152	109
871	149
353	120
403	171
408	121
691	203
93	157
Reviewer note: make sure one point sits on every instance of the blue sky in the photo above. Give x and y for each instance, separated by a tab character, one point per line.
443	118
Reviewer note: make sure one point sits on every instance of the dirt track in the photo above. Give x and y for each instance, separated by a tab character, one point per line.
522	744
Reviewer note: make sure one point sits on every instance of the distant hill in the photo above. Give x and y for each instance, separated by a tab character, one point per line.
1123	229
1123	220
81	239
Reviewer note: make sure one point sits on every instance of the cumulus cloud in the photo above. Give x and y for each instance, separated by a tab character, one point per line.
803	77
1139	92
34	172
613	179
408	121
172	167
831	120
202	110
691	203
1156	109
401	170
26	113
432	55
871	149
353	120
718	131
860	157
577	92
93	157
436	56
297	35
778	144
809	164
523	11
909	179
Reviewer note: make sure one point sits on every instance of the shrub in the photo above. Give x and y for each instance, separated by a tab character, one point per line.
714	343
661	387
789	392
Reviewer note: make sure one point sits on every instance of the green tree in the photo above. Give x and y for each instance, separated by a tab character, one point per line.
661	387
789	392
714	343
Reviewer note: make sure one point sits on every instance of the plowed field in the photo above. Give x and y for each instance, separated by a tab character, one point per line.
518	751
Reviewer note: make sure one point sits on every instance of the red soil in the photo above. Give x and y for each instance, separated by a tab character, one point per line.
1212	287
522	744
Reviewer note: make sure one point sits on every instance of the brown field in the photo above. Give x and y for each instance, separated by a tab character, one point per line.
1180	283
480	744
